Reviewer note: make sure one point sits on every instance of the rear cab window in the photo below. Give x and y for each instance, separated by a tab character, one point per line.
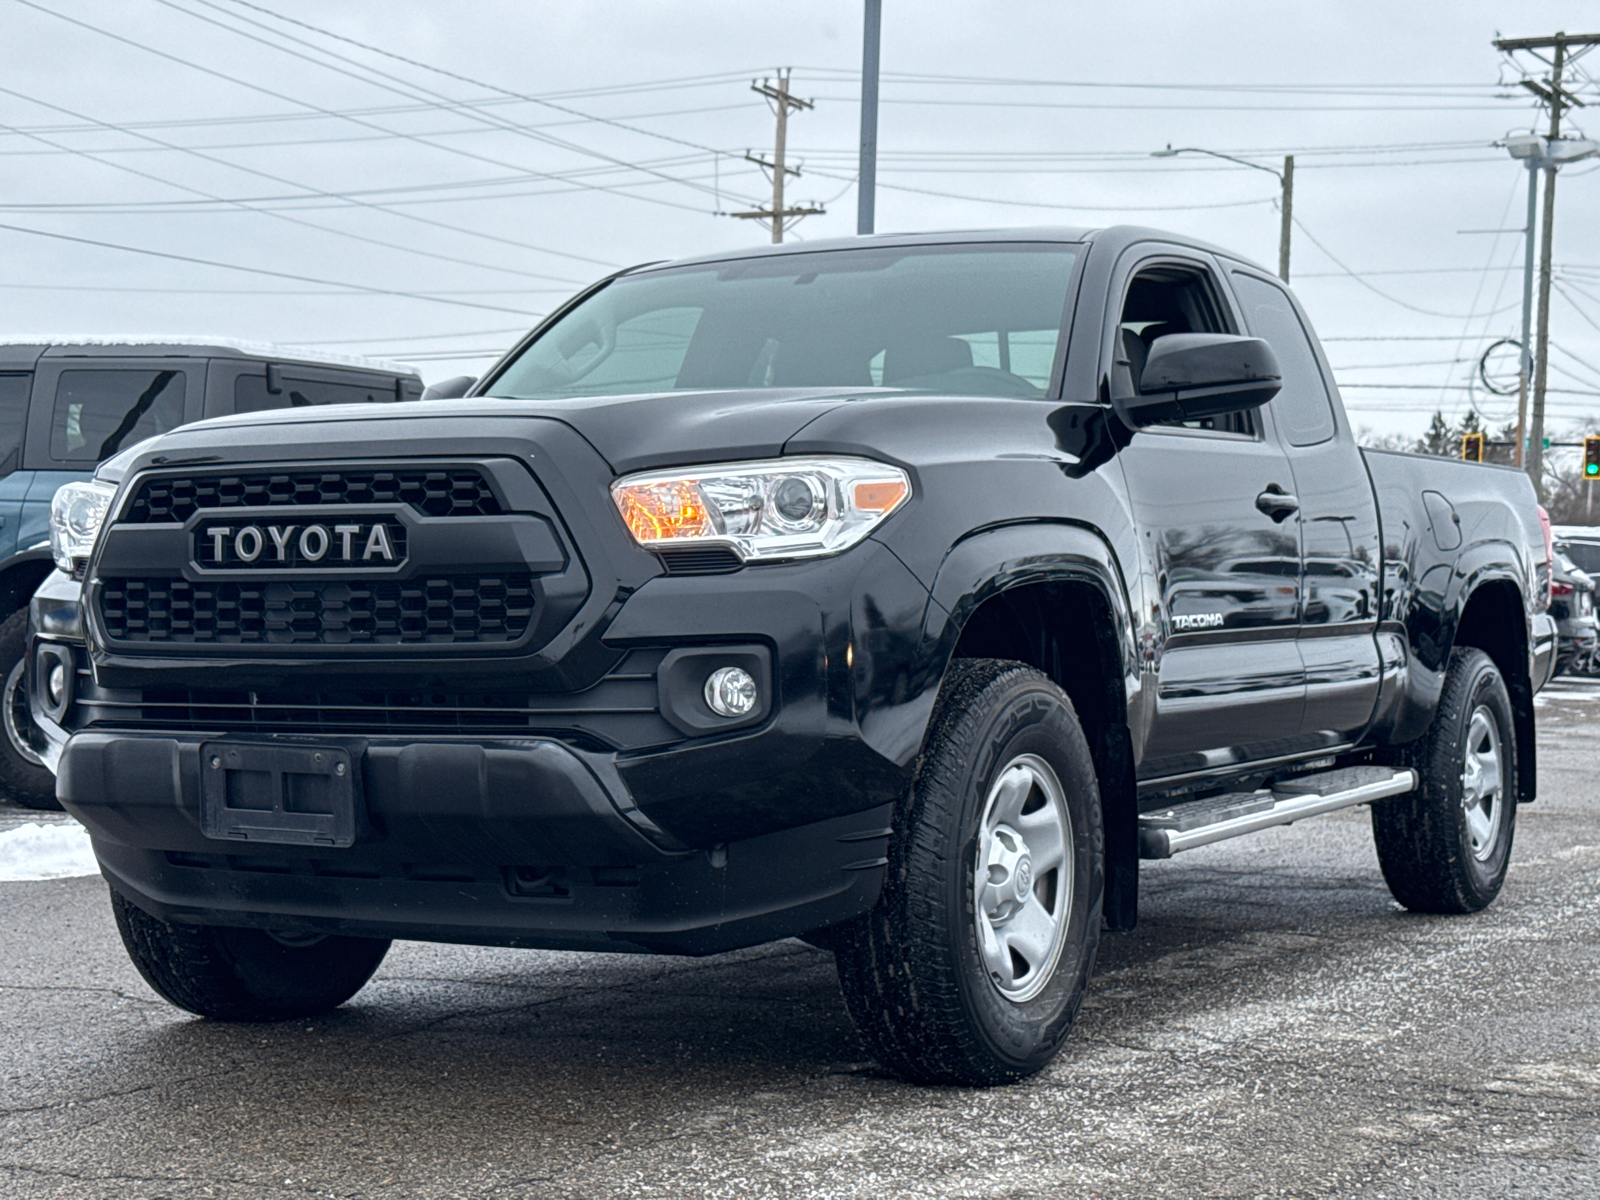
1302	410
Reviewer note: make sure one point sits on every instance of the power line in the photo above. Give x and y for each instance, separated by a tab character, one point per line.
329	113
277	179
508	127
1377	292
437	70
418	337
1079	106
687	81
207	262
901	187
279	215
329	141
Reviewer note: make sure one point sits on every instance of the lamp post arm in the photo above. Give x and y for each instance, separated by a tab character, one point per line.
1243	162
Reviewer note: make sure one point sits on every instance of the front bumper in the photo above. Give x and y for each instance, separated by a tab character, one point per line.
526	843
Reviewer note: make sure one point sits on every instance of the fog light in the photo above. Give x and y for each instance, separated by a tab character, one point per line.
730	692
56	683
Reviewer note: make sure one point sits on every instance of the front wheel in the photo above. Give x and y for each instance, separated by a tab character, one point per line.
972	966
23	776
245	974
1445	847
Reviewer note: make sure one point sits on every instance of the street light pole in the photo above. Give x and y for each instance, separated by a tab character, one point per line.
1287	205
1548	155
867	175
1525	370
1285	180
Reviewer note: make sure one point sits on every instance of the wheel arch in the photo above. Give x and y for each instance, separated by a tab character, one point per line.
1052	595
20	577
1494	620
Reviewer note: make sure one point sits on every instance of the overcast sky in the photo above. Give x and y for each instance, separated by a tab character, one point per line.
419	215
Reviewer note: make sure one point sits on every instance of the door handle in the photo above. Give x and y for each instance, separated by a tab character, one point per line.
1277	503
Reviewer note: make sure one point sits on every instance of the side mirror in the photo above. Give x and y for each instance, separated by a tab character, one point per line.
1189	375
450	389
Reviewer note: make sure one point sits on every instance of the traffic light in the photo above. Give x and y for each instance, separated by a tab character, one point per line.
1472	447
1591	457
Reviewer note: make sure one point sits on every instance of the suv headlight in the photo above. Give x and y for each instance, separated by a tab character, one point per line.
76	514
781	508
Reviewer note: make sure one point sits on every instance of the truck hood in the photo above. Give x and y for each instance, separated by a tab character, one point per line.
632	433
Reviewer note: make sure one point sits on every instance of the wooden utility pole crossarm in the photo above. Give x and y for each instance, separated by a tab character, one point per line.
778	214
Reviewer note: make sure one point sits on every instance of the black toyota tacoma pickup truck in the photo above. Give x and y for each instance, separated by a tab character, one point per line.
897	593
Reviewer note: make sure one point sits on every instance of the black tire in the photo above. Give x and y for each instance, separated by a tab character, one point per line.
245	974
913	975
1425	840
22	780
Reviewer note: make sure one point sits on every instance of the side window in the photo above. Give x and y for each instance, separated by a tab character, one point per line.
13	417
1302	409
98	413
250	393
1172	299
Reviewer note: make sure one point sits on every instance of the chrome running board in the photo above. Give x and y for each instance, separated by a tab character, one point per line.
1164	832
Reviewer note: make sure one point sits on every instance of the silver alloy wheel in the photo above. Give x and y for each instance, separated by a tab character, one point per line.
1482	783
1023	878
14	709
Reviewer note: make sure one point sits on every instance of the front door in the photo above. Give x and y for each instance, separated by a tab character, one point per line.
1220	564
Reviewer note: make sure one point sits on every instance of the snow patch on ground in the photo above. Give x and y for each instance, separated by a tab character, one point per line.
35	851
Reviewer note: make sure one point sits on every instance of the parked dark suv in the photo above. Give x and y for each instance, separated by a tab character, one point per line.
66	407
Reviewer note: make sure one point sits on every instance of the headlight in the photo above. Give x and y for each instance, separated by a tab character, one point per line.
76	515
781	508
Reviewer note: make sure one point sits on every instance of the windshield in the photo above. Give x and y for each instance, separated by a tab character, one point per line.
978	320
1584	555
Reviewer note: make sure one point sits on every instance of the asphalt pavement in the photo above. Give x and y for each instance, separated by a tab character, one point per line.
1277	1026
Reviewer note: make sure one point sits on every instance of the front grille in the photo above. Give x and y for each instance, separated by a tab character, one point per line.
438	609
620	710
442	492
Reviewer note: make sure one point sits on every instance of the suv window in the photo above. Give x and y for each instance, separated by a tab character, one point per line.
98	413
250	393
1302	409
1584	555
1172	299
13	417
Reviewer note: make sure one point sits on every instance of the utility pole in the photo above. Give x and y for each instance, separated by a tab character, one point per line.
782	101
1558	99
1287	204
867	175
1525	367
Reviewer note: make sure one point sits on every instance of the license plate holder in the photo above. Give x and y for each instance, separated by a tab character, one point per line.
278	793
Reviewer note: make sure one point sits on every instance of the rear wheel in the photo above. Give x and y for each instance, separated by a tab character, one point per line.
1445	847
245	974
23	776
972	966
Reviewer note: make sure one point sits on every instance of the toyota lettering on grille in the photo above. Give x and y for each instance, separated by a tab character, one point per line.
242	546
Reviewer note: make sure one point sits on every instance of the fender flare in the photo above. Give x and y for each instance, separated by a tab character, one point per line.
17	569
990	562
1479	568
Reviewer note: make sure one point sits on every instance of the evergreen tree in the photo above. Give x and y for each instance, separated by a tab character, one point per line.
1439	439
